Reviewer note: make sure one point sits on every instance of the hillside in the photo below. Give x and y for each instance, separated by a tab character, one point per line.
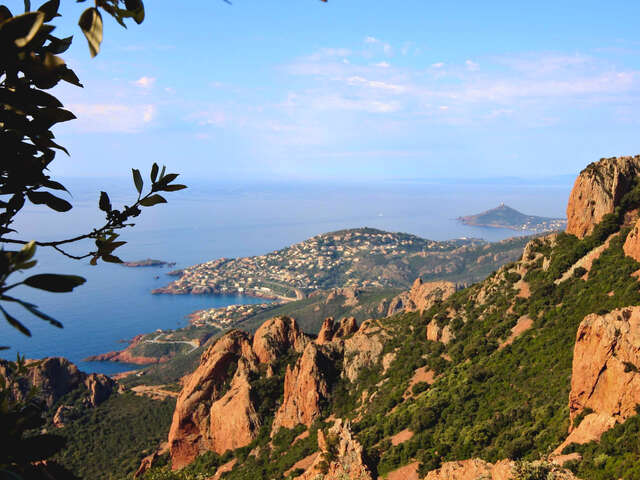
504	216
533	373
361	258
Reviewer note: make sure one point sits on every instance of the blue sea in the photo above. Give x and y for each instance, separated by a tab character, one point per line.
212	220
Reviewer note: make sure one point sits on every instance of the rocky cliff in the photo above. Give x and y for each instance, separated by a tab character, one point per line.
597	191
54	377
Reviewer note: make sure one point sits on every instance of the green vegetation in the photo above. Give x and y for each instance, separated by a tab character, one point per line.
109	441
616	455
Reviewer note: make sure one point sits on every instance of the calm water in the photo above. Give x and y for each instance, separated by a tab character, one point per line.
210	221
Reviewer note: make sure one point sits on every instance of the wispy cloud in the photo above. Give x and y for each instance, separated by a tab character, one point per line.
112	118
145	82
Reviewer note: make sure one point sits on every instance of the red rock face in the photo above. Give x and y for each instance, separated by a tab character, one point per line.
632	243
597	191
325	335
421	297
234	422
195	428
476	469
305	386
276	336
606	364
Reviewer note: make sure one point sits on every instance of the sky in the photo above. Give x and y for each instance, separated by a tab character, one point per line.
354	90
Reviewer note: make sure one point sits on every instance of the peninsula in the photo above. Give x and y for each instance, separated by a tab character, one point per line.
361	258
504	216
149	262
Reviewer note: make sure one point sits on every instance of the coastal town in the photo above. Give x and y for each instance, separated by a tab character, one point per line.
225	317
351	258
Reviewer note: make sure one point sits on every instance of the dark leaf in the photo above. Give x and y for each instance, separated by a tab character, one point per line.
52	184
5	13
154	172
152	200
168	178
136	7
15	323
22	28
111	259
53	282
34	310
69	76
50	10
27	5
91	24
50	200
174	188
137	179
104	203
59	45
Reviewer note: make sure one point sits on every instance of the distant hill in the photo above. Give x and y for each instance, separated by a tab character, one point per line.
361	257
504	216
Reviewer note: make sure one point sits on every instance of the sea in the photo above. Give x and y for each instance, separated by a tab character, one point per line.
227	219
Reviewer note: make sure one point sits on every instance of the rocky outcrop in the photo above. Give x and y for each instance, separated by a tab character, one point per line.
363	349
597	191
193	428
605	381
606	364
306	385
421	297
329	331
54	377
632	243
436	333
342	457
234	422
476	469
64	414
275	337
351	296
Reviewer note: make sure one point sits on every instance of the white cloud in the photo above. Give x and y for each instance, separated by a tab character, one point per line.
437	65
371	40
472	66
145	82
382	64
112	118
360	81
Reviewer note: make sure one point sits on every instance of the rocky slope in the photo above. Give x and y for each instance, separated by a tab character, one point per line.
507	379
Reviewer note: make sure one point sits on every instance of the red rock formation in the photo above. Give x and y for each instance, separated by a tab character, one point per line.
476	469
606	363
234	422
342	456
191	429
305	386
348	326
421	297
363	349
597	191
605	376
632	243
329	331
325	335
276	336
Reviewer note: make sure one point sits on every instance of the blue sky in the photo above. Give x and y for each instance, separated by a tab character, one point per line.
356	90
